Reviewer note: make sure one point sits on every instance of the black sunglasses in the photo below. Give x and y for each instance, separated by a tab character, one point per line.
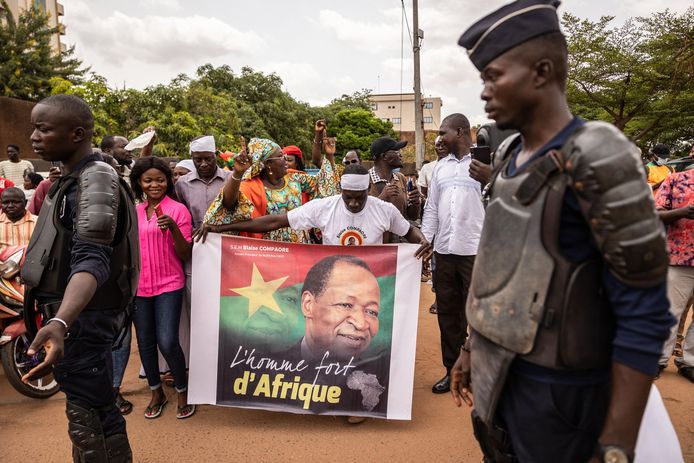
353	161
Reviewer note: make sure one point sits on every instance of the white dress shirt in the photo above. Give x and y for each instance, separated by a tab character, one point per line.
454	214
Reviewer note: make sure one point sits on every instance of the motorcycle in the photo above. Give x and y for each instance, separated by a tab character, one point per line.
14	341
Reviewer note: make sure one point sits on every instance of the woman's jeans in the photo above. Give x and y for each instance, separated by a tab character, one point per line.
121	355
156	325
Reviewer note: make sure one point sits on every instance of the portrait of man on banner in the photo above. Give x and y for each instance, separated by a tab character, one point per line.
306	329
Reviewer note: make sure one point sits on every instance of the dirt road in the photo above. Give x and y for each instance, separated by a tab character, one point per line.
34	430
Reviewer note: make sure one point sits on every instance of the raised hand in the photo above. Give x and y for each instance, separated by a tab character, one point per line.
329	146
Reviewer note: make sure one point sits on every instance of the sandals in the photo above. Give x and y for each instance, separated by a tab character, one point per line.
154	411
185	411
124	406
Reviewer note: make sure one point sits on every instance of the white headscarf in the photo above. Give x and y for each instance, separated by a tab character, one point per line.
186	164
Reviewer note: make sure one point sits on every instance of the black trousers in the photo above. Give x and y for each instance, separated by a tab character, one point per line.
552	422
85	374
453	275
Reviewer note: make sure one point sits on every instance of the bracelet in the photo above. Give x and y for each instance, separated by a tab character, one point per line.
60	320
237	179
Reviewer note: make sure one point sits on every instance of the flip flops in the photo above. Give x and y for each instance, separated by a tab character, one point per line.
155	411
185	412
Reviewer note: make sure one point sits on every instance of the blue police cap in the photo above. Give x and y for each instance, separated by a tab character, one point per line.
508	27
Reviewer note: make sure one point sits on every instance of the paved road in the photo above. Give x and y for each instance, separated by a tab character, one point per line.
34	430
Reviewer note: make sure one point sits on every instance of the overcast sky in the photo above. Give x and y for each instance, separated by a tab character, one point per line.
320	49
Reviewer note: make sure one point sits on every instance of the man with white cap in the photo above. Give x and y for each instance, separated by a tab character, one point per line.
200	187
351	219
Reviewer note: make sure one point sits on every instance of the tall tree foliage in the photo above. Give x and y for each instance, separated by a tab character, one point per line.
27	61
638	76
356	129
227	105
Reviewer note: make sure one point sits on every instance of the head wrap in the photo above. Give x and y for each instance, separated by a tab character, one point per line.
204	143
354	182
291	149
259	149
186	164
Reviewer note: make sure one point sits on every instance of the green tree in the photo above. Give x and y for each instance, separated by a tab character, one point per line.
27	61
356	129
105	103
637	76
409	153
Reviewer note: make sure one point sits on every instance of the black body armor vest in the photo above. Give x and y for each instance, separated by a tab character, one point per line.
47	265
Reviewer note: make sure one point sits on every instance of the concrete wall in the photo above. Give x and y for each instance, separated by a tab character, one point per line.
399	109
15	126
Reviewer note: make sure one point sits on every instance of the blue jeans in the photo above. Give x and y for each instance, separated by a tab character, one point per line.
121	356
156	325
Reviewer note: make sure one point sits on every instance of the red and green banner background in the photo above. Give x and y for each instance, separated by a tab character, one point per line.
247	332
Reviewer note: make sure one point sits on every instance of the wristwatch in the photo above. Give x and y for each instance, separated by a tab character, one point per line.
613	454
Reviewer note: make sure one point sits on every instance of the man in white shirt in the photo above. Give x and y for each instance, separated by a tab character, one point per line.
14	168
351	219
453	215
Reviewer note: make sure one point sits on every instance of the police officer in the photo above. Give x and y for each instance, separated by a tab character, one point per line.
81	272
567	305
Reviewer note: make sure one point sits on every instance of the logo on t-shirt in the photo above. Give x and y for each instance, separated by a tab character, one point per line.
351	236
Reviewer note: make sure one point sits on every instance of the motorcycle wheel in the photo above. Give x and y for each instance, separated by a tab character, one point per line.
16	363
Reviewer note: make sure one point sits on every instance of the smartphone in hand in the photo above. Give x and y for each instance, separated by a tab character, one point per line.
482	154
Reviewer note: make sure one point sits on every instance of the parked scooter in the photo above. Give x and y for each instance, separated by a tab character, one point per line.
14	341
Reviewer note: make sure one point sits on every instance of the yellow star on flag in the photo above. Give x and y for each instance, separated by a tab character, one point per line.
261	293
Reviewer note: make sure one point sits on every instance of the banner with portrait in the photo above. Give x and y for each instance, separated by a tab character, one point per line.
304	328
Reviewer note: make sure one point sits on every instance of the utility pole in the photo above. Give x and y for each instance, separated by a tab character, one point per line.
418	118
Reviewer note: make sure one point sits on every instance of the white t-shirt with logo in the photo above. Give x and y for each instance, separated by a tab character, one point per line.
340	226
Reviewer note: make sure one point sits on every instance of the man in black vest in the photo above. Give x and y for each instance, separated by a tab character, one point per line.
567	307
85	239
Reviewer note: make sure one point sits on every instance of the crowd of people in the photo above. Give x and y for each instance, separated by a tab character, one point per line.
507	245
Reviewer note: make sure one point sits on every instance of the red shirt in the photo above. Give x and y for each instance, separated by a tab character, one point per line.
677	191
40	194
4	184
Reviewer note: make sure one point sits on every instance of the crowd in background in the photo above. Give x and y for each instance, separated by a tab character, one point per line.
180	201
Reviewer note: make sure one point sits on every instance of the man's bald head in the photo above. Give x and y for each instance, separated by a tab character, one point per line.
457	121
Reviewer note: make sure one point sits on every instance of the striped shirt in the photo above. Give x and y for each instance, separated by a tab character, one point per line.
14	171
16	233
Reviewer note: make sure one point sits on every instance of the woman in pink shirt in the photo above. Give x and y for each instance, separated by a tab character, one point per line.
165	242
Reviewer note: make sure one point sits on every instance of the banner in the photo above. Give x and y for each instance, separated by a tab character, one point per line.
304	328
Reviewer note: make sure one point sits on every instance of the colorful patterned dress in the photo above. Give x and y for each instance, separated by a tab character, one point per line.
279	201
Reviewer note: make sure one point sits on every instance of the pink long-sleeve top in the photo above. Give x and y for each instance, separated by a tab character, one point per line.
161	270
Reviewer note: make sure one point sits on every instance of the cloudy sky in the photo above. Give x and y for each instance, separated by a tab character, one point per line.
320	49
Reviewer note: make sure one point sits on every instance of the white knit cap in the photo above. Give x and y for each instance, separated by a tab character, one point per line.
205	143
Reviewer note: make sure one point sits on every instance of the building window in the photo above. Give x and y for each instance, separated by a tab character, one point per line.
396	120
40	4
428	119
385	119
428	105
374	106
